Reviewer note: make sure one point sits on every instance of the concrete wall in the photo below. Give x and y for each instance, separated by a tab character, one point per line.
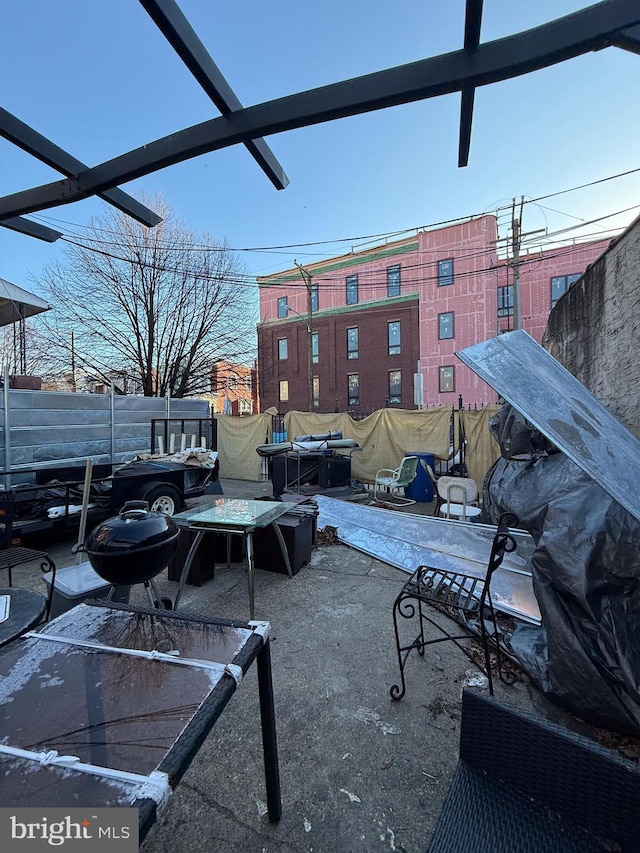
594	330
59	427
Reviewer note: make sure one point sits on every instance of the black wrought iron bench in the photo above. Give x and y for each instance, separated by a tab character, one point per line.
525	785
463	598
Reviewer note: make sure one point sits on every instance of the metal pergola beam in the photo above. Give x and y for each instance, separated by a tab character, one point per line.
628	40
472	25
589	29
179	33
31	229
29	140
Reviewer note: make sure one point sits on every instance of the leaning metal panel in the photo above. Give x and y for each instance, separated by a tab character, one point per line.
553	400
406	541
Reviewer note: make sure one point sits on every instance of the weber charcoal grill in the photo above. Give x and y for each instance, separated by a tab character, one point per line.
134	547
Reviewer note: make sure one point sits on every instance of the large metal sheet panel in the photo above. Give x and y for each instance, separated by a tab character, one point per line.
406	541
553	400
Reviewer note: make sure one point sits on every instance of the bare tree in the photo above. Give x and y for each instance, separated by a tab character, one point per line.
154	307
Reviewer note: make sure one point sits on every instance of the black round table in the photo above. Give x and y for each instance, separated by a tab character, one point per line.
25	610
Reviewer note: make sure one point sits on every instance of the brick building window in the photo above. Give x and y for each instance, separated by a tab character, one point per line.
393	337
283	307
445	326
314	297
283	391
505	301
352	290
393	281
352	342
315	348
316	391
283	349
353	389
395	387
447	379
445	272
560	284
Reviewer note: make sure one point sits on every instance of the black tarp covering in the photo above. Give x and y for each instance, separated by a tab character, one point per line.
586	577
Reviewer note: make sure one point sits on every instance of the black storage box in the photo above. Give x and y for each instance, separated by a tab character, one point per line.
292	470
334	471
212	550
298	534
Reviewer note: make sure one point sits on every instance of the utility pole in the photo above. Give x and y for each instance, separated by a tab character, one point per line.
516	244
513	245
74	385
516	236
306	277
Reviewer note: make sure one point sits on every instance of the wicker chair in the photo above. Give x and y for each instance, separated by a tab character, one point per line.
525	785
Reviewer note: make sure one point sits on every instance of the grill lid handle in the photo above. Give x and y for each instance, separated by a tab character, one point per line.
135	509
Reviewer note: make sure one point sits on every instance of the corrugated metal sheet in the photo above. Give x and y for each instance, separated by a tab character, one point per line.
58	427
553	400
406	541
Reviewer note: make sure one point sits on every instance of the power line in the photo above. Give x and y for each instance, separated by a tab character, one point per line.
246	282
352	239
583	186
325	278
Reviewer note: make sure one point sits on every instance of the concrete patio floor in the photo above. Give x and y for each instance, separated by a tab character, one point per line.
359	772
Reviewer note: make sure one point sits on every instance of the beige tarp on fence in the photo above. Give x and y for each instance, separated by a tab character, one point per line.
482	449
385	437
237	442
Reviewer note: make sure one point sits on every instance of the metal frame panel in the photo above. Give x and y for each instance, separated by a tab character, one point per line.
589	29
182	38
553	400
472	25
31	229
628	40
29	140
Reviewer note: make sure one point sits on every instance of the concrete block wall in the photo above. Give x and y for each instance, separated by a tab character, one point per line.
594	329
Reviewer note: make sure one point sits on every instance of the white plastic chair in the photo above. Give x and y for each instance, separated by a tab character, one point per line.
393	479
459	496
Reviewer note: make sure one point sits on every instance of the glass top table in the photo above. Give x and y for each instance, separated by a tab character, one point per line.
108	704
232	516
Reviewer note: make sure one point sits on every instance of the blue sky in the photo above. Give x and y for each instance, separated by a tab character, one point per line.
99	79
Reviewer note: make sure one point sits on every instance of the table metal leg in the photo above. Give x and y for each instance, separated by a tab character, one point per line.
283	546
251	574
187	565
269	740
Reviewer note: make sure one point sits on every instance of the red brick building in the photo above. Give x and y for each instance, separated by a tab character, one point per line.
233	389
387	317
